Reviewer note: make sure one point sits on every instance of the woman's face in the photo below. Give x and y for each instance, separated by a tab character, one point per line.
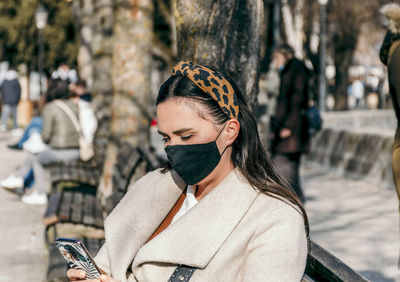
278	59
179	124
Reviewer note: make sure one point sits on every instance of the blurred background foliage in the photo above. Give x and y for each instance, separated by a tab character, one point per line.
18	34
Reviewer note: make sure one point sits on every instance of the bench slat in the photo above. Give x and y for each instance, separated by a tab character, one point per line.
77	207
88	209
65	207
323	266
98	213
307	278
93	245
50	216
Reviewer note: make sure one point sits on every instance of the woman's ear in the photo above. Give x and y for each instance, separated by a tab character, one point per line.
231	131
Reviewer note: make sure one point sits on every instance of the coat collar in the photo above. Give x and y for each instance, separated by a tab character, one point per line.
137	216
196	237
192	240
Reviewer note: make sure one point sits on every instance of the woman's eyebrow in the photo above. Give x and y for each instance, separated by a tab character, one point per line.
162	133
180	131
177	132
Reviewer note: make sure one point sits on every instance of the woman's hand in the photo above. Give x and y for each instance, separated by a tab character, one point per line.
77	275
80	275
105	278
285	133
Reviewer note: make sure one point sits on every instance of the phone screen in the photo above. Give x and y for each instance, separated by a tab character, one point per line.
78	256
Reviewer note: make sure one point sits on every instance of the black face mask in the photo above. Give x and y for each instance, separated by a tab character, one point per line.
194	162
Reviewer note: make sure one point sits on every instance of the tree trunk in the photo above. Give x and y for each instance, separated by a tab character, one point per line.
298	28
102	60
309	28
132	104
293	23
343	60
132	64
102	83
225	34
83	12
344	46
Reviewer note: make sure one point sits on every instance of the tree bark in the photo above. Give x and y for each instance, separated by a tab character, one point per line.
225	34
343	60
102	83
293	23
83	12
132	105
347	18
102	61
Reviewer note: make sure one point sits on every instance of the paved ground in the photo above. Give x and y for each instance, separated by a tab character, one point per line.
23	256
356	221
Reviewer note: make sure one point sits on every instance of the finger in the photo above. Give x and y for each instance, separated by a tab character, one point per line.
76	274
105	278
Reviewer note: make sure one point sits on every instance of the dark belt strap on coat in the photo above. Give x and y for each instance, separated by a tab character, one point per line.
182	273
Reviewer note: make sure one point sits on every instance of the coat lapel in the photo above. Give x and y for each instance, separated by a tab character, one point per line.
137	216
196	237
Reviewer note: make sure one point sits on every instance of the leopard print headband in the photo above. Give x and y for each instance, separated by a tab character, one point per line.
212	83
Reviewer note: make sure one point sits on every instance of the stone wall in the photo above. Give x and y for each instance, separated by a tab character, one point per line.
376	121
355	145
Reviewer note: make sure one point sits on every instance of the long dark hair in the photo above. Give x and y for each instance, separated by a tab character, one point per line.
248	153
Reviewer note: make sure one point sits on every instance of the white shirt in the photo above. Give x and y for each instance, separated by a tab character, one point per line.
87	120
357	89
189	202
65	75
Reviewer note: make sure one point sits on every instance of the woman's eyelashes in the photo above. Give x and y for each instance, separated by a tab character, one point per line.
166	139
187	137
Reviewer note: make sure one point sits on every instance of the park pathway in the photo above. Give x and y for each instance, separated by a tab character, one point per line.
356	221
23	256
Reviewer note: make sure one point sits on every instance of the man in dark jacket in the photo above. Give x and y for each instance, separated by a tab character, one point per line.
289	126
10	93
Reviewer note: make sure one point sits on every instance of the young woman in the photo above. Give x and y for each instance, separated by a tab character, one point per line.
218	211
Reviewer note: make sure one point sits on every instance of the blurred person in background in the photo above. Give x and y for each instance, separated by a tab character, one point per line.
31	140
267	97
10	93
62	145
357	91
65	73
87	116
289	126
390	56
272	80
31	132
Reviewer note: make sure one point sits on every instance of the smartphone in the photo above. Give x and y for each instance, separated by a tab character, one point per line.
77	256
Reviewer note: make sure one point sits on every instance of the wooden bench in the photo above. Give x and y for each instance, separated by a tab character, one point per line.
323	266
79	172
76	212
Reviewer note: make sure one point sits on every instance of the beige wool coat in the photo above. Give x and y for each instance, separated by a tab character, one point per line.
233	234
